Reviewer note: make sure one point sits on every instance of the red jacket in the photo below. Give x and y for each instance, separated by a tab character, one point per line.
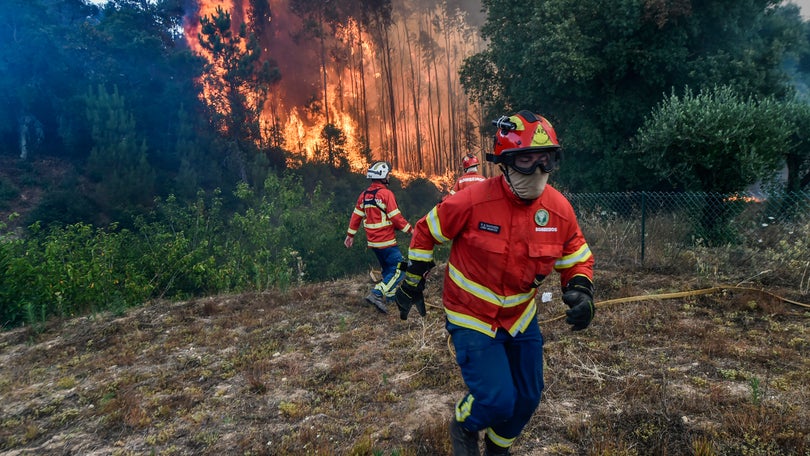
466	180
377	208
500	245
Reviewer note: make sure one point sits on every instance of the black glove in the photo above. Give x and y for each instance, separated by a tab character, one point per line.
410	291
578	294
407	296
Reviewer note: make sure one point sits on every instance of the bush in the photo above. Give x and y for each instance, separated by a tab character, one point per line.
69	271
8	192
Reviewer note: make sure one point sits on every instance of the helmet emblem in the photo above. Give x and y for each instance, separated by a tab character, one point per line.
541	137
541	217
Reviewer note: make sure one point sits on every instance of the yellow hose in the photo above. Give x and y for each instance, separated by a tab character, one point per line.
683	294
679	294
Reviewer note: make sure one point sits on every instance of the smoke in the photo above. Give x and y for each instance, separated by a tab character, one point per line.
473	9
296	55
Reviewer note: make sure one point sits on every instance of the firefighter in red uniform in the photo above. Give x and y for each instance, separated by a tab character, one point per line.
470	176
508	233
377	208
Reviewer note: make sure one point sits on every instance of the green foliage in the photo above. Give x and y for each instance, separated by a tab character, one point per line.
595	68
417	198
68	271
7	191
797	155
63	205
117	162
281	235
179	246
333	141
716	140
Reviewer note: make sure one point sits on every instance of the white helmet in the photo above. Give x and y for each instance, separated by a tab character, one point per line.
378	170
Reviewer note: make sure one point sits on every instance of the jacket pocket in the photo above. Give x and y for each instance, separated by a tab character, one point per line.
491	249
542	258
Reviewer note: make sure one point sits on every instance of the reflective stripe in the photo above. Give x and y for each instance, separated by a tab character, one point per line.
523	322
352	232
464	408
435	227
393	213
367	205
575	258
420	255
388	288
383	243
484	293
498	440
359	212
375	203
374	226
489	296
406	228
469	322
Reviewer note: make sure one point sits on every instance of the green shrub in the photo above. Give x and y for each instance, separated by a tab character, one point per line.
69	271
8	192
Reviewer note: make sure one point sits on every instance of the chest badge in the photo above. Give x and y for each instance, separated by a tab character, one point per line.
541	217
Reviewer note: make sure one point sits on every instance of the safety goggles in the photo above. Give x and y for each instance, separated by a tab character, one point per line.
528	162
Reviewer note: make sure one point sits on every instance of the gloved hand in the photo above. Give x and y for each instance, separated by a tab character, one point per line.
410	291
409	295
578	294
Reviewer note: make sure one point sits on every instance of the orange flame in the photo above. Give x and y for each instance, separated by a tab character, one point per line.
342	81
745	199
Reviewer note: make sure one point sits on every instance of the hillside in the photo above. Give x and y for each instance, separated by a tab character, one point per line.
25	184
313	370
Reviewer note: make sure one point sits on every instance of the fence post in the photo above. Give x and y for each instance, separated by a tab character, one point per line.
643	222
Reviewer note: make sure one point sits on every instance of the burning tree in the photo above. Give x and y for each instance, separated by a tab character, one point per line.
237	81
361	69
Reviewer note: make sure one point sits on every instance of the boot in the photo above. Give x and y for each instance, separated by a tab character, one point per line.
491	449
465	443
377	300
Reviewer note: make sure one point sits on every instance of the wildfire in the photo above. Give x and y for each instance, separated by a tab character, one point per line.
744	198
393	92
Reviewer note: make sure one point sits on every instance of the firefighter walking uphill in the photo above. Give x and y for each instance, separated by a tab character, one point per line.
377	209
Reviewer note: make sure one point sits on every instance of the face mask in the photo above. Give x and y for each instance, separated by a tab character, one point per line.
527	186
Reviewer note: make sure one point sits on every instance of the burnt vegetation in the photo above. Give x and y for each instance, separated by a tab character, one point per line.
313	370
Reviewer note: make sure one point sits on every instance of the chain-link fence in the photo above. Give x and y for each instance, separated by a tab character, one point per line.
710	233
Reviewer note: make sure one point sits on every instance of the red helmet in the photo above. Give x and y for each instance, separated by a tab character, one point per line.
469	161
525	132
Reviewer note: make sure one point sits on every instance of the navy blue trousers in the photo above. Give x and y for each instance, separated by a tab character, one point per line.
504	376
389	259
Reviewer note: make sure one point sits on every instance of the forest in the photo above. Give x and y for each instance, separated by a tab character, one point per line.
173	148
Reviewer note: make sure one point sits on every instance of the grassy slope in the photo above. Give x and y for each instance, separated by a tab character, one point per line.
315	371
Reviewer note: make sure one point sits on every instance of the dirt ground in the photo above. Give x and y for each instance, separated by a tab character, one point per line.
316	371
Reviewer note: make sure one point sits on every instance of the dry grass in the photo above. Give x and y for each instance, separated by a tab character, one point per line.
314	371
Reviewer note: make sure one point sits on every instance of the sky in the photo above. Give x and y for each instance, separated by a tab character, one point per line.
804	5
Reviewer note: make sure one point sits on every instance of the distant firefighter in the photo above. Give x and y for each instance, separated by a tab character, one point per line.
377	208
471	175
